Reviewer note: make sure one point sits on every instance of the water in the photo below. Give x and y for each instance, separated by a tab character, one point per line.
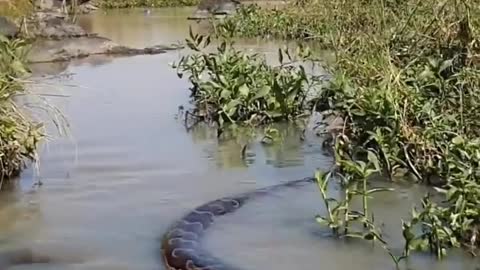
129	169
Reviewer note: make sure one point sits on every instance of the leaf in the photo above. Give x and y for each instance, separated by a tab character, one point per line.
192	45
426	74
419	244
18	67
4	39
262	92
274	114
223	81
232	105
375	190
372	157
322	220
459	203
433	62
244	90
225	93
207	42
445	64
458	140
354	235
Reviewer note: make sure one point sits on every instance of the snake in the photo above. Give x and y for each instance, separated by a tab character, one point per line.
181	247
181	244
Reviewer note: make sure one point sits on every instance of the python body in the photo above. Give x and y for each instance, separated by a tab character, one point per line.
181	249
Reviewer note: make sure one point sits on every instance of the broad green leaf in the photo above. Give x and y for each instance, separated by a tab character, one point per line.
262	92
232	104
458	140
244	90
225	94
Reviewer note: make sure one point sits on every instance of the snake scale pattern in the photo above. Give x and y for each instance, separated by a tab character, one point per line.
181	247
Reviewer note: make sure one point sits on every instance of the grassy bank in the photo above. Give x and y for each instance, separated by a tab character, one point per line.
145	3
406	82
18	135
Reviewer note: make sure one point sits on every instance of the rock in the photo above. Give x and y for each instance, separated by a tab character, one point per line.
83	6
57	39
53	4
206	8
86	8
46	4
8	28
20	256
71	48
53	26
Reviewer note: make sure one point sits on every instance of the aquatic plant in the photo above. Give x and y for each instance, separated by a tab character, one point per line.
354	178
235	87
406	81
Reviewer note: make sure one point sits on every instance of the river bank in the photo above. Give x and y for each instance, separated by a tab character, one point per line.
405	82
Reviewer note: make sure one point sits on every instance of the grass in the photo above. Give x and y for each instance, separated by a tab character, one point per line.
19	136
406	82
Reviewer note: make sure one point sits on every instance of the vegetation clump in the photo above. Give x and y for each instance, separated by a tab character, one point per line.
406	82
235	87
18	135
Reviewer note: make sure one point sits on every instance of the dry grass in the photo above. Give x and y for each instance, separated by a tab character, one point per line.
15	8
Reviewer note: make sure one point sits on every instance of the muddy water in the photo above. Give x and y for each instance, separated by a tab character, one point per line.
128	169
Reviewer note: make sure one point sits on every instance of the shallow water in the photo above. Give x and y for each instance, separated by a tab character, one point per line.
129	169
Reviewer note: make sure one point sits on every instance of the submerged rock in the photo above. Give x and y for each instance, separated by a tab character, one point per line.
7	27
20	257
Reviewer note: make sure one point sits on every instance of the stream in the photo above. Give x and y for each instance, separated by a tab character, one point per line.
127	169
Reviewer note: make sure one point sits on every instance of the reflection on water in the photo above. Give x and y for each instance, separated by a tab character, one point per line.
161	26
288	150
130	169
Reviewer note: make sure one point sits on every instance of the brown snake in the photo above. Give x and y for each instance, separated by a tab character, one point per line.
181	249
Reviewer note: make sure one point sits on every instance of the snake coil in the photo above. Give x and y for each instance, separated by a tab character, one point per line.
181	249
